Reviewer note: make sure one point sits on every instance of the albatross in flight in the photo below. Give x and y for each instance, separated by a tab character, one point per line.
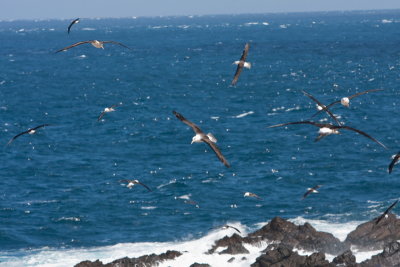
394	162
75	21
345	101
132	183
29	131
326	129
249	194
202	137
241	63
311	190
322	106
107	110
385	214
95	43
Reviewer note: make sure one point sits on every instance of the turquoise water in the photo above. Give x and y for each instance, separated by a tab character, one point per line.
60	189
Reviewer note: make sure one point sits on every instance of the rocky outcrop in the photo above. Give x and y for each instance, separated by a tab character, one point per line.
388	258
283	255
233	243
200	265
298	236
346	259
372	236
143	261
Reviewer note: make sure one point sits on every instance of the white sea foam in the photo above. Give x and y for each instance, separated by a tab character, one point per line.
244	114
193	250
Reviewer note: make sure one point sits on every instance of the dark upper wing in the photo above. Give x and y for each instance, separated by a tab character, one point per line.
391	207
395	159
360	132
18	135
113	42
40	126
306	194
365	92
195	128
101	115
327	107
301	122
237	74
386	212
72	23
142	184
233	228
217	151
124	181
73	45
245	52
322	106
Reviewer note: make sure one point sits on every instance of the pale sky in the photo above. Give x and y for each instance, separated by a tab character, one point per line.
57	9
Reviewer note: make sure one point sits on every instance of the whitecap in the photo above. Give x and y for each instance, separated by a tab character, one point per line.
244	114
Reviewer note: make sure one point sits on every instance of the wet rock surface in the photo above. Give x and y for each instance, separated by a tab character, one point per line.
143	261
372	236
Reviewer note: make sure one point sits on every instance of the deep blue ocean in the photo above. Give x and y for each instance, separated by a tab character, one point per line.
60	188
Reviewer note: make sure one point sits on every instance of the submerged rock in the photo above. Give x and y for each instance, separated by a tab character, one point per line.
372	236
143	261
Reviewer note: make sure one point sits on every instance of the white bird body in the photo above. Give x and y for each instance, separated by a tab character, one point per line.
198	138
345	101
247	65
97	44
312	190
327	131
32	132
109	109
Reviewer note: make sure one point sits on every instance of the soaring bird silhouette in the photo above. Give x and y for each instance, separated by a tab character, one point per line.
326	129
29	131
394	161
241	64
385	213
95	43
75	21
132	183
200	136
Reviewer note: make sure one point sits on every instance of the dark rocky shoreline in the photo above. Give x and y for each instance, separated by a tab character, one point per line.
285	236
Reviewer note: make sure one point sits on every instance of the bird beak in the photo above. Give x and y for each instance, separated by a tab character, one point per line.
191	143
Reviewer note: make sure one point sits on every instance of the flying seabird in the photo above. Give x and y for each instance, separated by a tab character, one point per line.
29	131
326	129
95	43
226	226
249	194
345	101
385	214
311	190
241	63
323	107
72	23
202	137
106	110
394	162
132	183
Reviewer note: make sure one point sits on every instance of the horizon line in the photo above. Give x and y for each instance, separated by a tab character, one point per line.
205	15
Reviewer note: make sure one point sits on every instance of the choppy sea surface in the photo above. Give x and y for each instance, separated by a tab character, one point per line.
61	201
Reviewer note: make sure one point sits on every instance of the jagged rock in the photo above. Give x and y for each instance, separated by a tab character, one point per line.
345	259
200	265
143	261
372	236
234	244
235	248
390	256
97	263
231	259
283	255
302	236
